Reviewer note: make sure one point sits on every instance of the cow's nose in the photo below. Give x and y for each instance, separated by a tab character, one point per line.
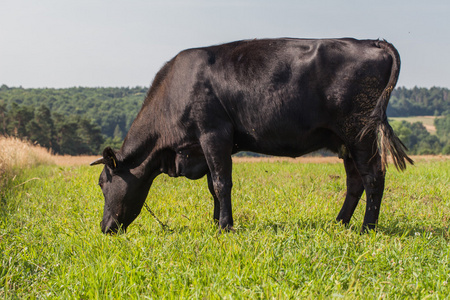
108	227
111	226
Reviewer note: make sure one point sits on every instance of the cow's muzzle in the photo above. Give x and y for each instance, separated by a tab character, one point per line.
112	226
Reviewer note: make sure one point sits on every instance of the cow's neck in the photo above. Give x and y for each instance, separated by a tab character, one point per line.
139	146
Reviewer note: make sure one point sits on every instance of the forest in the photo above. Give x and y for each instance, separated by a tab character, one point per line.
83	120
419	102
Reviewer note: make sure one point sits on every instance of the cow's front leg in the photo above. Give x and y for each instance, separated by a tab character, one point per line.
217	152
222	188
216	215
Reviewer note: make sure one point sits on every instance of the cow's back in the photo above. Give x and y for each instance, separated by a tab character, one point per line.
290	93
281	96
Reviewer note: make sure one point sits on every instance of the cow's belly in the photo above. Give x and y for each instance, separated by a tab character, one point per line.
289	142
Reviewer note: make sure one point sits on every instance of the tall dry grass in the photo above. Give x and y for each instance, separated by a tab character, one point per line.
17	154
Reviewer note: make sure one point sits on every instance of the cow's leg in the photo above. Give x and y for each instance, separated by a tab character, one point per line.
368	163
355	188
216	215
222	184
217	151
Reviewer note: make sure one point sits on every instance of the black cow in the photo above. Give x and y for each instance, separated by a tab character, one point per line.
284	97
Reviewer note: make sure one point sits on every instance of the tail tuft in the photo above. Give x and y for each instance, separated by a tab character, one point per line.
388	142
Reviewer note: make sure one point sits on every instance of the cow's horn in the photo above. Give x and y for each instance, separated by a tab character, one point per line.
98	162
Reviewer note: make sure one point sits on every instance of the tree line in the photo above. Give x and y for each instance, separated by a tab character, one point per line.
82	120
62	134
113	109
421	142
419	102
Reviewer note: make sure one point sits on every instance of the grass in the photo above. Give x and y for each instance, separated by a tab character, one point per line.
17	155
286	243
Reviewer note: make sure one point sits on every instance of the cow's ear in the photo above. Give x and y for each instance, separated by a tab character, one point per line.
109	158
98	162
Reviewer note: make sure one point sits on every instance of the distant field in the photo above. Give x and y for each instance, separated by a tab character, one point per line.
428	121
286	244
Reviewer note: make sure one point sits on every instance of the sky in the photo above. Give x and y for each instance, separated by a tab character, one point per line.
123	43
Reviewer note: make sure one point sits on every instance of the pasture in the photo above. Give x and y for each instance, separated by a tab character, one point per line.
427	121
286	243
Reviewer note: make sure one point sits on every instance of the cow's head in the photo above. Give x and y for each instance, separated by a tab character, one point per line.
124	191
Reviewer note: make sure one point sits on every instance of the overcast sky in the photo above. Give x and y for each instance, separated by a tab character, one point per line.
116	43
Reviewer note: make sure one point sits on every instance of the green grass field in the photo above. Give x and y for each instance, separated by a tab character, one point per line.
286	243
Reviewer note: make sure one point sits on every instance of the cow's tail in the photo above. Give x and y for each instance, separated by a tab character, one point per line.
388	141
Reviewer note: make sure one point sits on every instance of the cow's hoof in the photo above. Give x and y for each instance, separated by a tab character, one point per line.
368	228
227	229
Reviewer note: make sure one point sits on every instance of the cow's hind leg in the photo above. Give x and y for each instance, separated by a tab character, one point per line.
355	188
368	163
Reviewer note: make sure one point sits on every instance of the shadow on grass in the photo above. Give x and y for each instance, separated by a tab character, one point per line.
402	228
323	224
399	228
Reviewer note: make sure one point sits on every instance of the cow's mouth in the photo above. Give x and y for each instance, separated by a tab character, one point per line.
112	226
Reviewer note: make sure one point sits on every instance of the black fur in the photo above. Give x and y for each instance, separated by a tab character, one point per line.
284	97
